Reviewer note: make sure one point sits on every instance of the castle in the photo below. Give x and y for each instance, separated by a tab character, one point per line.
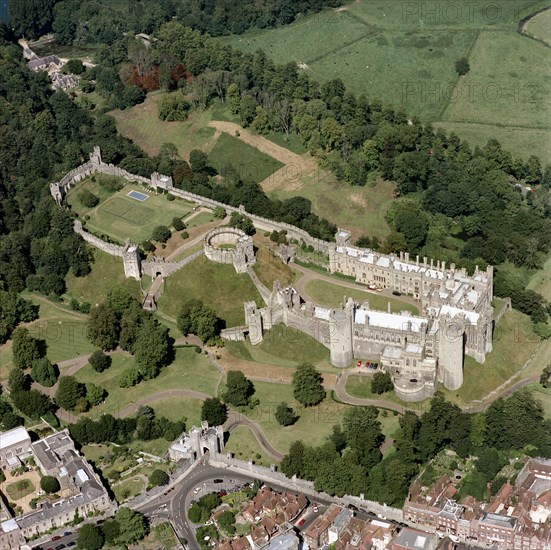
418	351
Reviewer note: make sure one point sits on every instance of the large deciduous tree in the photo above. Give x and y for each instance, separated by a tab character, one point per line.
307	385
239	389
214	411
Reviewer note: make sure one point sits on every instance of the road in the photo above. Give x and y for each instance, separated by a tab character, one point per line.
178	501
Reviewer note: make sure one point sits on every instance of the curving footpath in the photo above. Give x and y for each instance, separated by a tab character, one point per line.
345	397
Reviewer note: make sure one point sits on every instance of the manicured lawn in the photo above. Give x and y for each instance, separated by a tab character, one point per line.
122	217
314	424
270	268
63	330
540	26
244	446
201	219
20	489
248	162
283	346
178	408
107	273
331	295
142	125
189	371
218	285
359	385
359	209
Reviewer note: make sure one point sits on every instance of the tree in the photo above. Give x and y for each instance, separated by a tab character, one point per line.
69	391
307	385
158	477
242	222
489	462
239	389
99	361
94	394
110	530
462	66
25	348
31	18
50	484
161	233
104	327
198	160
294	461
173	107
129	377
32	403
199	319
75	66
381	383
363	434
219	213
214	411
152	348
285	415
44	372
18	380
90	537
135	525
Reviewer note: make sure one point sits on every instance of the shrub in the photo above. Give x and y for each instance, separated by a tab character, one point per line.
219	213
50	484
158	477
129	377
170	198
178	224
88	199
184	235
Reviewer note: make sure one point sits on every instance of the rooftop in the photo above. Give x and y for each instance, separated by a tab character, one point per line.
12	437
416	540
388	320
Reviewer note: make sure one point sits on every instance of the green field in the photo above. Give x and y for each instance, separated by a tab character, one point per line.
188	371
284	347
201	219
218	285
63	330
176	408
359	209
142	125
331	295
121	216
359	385
540	26
515	95
250	163
242	443
403	53
107	273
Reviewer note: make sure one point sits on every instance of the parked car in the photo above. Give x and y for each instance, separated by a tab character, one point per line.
396	293
196	490
60	547
301	522
315	509
72	543
57	537
218	481
67	533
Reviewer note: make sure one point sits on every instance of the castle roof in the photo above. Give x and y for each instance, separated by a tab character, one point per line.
388	320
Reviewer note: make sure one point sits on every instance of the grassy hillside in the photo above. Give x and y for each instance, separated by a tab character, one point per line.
404	54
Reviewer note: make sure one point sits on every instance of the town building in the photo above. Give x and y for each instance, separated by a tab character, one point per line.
518	517
81	493
15	445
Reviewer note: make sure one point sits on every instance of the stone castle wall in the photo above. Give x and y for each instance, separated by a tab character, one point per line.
110	248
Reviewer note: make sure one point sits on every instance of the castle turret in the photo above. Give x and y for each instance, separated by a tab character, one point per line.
131	260
450	362
253	318
340	335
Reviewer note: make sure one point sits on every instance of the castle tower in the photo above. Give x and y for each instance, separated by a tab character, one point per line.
95	156
131	260
253	318
450	362
160	181
340	335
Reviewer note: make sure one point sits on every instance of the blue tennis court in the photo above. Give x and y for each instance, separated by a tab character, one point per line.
138	196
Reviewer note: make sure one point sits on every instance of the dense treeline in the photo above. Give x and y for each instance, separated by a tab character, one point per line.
92	22
43	135
463	205
350	462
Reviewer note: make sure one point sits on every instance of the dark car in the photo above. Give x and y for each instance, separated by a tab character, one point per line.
218	481
396	293
60	547
72	543
67	533
352	507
